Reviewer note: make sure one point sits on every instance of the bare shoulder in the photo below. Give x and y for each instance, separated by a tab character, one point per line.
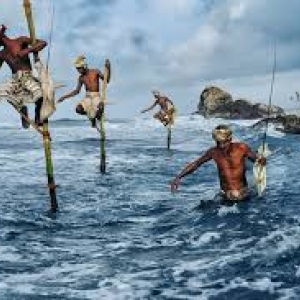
95	71
24	39
241	146
211	152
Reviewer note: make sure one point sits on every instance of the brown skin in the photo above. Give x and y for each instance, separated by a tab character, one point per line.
230	159
90	79
163	102
16	51
15	54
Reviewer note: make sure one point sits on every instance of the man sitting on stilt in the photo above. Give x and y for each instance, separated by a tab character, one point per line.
167	109
91	105
23	88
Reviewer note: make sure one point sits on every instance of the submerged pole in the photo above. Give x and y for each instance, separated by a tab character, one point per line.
171	117
169	137
102	123
46	133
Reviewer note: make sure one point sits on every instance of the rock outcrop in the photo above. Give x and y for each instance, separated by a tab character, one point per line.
217	103
288	123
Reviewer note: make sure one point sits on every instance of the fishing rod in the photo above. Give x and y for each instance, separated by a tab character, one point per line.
50	36
259	170
46	134
270	99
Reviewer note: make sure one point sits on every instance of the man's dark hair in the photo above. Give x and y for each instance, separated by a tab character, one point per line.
223	127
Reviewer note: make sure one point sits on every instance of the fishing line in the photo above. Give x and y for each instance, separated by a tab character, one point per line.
50	38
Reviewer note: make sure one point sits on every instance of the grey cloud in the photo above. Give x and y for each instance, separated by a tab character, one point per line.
177	53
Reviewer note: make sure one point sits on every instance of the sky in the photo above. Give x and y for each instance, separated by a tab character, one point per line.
176	46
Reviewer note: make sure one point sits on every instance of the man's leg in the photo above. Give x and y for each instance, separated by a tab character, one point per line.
24	111
38	106
80	110
161	117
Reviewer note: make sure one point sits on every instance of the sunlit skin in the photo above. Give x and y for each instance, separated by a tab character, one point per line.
15	54
16	51
90	79
164	103
230	159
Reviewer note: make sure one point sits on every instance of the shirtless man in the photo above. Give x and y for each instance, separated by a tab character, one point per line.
15	54
91	105
230	159
167	108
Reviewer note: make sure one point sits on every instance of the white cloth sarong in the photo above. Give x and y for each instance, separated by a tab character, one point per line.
91	103
24	88
21	89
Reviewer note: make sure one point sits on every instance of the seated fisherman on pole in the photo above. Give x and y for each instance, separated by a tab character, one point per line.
91	105
167	109
23	88
230	158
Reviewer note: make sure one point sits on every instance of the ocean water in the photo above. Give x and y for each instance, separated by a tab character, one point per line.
123	235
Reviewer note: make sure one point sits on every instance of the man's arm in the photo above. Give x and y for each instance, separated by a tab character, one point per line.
253	156
190	168
73	93
149	108
37	47
170	101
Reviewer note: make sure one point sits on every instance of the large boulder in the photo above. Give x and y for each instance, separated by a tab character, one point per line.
215	102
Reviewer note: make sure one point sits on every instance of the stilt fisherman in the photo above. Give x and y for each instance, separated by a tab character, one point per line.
23	88
91	105
167	109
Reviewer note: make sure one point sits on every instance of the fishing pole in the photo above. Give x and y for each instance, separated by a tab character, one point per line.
259	169
270	98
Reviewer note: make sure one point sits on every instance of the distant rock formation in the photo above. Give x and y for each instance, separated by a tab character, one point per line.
289	123
217	103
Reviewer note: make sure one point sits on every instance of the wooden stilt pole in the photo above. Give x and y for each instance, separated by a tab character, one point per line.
169	137
102	124
46	133
171	116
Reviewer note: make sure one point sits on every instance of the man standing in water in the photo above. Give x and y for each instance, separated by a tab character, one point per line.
167	108
230	159
23	87
91	105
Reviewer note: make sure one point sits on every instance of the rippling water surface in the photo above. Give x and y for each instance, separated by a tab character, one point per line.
125	236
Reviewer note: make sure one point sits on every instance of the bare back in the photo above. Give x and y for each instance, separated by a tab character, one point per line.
10	55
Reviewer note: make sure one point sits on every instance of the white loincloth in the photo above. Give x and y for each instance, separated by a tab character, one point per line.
235	195
24	88
91	103
21	89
